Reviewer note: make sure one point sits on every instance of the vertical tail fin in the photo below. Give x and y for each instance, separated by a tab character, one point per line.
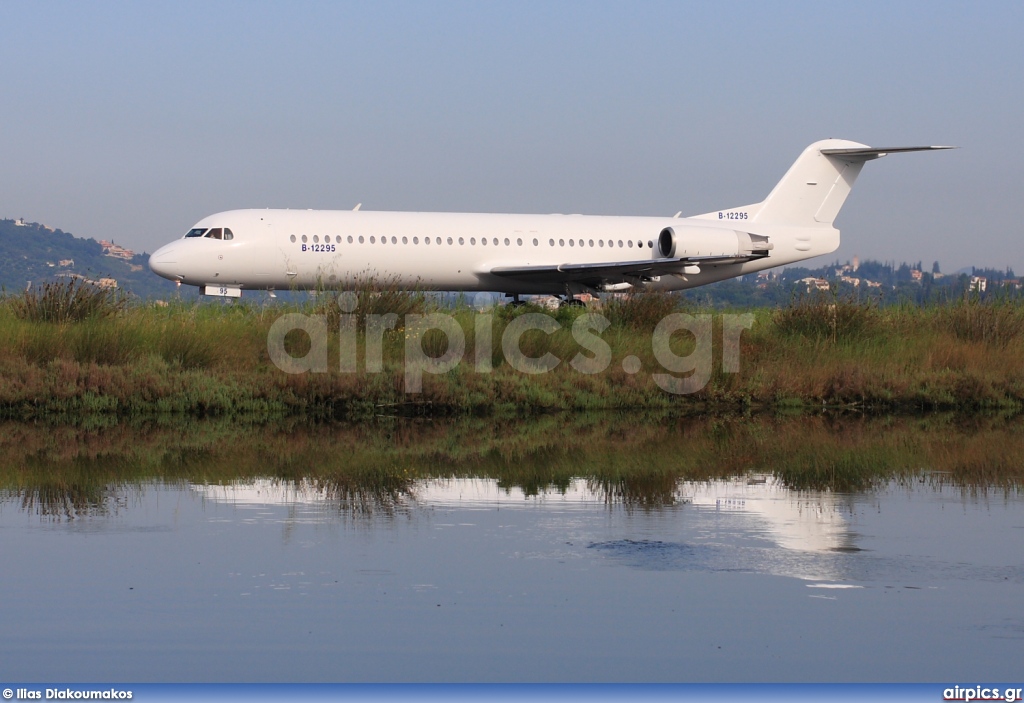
817	184
814	188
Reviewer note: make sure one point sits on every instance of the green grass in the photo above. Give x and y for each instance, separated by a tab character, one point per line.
212	359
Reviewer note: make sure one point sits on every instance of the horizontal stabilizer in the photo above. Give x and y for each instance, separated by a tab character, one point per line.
866	154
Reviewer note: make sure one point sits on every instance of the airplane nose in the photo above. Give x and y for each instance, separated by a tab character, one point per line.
164	260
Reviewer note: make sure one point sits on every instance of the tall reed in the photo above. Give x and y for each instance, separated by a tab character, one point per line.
995	321
641	309
367	296
68	300
828	316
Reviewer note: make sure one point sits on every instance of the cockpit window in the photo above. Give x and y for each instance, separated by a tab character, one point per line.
195	233
228	234
215	233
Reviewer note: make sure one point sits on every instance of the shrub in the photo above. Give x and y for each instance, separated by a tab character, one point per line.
373	297
70	300
996	322
827	316
641	309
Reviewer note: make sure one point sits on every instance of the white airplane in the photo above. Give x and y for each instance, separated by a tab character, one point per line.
522	254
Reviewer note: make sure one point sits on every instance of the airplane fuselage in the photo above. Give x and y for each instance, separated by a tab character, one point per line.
303	249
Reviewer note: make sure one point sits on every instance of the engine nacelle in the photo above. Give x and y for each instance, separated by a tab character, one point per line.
667	243
710	241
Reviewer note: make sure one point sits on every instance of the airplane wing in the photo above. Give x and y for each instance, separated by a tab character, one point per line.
596	275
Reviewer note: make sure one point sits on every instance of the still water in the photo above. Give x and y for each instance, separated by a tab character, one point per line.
610	549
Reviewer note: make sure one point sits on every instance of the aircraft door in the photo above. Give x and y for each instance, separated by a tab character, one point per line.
261	254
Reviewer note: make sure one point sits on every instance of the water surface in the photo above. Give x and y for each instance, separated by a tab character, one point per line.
569	549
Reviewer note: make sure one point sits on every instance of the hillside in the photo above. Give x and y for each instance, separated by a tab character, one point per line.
883	283
31	253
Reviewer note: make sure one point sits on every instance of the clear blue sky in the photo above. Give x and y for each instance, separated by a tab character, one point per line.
133	120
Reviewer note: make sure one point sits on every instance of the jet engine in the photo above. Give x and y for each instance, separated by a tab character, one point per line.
710	241
667	243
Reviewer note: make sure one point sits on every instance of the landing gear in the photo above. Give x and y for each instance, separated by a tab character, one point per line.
570	300
515	302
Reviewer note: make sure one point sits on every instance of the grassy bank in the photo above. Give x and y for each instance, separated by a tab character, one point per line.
110	357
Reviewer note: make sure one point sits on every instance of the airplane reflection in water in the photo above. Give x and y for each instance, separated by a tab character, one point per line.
751	522
806	521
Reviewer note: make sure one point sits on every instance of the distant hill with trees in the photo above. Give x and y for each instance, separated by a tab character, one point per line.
886	283
32	253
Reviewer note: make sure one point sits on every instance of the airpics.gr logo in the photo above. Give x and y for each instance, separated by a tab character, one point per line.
982	693
677	373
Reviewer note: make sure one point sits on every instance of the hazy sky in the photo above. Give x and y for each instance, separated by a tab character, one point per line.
133	120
